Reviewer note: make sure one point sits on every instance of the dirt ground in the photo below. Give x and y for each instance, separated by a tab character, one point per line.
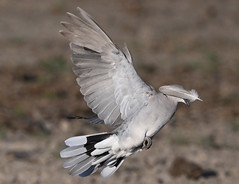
192	43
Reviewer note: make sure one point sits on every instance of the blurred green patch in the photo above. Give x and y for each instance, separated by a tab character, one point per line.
213	62
55	65
231	99
235	125
193	66
2	132
19	112
39	129
18	41
209	142
58	94
179	140
40	135
237	72
47	78
56	154
179	49
49	95
209	64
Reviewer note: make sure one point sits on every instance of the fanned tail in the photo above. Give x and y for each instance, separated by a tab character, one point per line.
88	153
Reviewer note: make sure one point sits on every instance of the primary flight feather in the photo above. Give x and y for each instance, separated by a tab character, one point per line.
118	96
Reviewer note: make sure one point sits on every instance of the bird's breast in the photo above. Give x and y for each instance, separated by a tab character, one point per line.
157	114
147	122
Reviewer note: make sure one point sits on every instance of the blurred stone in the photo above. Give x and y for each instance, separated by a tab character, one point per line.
160	181
21	155
209	173
191	170
181	166
29	77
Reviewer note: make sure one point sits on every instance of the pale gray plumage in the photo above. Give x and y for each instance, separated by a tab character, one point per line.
118	96
82	166
75	160
73	151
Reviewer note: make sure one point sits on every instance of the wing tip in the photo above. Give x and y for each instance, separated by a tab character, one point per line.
79	9
64	23
71	16
63	32
82	12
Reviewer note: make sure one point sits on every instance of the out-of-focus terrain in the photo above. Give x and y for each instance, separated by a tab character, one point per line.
192	43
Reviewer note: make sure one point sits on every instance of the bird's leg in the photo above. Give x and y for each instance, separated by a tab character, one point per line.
147	143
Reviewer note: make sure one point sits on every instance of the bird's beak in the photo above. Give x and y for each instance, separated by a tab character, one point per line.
187	102
199	99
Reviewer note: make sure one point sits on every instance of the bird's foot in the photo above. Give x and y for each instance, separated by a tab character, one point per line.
147	143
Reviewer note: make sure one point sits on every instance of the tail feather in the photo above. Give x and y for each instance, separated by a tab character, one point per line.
82	166
105	143
88	153
82	140
110	169
72	151
102	159
92	169
99	151
75	160
111	162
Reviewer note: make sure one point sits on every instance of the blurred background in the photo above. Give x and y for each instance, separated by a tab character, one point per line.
192	43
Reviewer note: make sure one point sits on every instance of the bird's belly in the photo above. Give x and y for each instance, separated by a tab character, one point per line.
132	136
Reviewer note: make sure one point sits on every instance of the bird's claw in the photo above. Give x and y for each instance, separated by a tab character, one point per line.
147	143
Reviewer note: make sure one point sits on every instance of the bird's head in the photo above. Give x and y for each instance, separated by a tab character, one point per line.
180	94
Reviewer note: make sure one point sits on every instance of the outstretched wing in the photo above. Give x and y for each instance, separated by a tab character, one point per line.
108	80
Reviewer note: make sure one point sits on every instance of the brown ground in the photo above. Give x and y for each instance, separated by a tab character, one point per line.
193	43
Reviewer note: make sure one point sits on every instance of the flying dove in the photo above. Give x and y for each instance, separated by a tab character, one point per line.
119	98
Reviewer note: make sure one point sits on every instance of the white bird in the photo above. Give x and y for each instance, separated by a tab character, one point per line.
118	96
